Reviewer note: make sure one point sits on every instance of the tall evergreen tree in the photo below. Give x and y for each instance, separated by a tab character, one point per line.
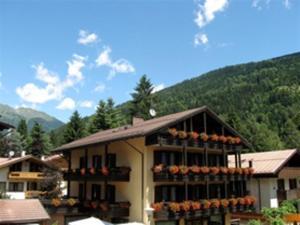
13	141
113	118
22	128
75	128
38	143
53	139
142	98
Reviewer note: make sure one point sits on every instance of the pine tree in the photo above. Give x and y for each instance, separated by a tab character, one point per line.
13	141
38	143
22	129
53	138
113	118
99	122
75	128
142	98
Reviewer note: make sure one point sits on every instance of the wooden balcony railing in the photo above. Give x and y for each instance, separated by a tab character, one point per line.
111	174
26	176
97	208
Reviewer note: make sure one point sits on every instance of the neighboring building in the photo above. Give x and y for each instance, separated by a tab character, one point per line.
276	176
21	176
111	172
22	212
4	126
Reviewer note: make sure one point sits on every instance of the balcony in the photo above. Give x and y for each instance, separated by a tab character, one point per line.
97	208
110	174
203	208
26	176
195	173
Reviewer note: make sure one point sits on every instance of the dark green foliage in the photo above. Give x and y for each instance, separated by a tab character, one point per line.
22	128
13	141
75	128
142	98
38	143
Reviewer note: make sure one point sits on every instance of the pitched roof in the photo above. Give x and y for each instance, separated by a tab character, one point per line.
143	128
58	161
265	163
4	162
22	211
4	126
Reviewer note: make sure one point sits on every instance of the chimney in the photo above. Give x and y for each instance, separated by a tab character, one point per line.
137	120
23	153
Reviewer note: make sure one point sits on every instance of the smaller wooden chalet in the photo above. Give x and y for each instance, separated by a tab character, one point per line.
175	164
276	176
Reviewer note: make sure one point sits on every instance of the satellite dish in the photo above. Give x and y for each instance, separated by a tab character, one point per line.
152	112
11	153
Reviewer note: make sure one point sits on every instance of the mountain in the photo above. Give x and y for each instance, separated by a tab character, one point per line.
13	116
259	99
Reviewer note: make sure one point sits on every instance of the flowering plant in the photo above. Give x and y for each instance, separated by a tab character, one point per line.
230	140
224	203
206	204
249	200
214	170
82	171
251	170
204	136
214	137
94	205
157	206
56	202
239	170
233	201
183	169
185	206
173	169
222	139
174	207
194	135
204	169
195	205
231	170
182	134
215	203
245	171
237	140
241	201
92	170
105	171
223	170
158	168
173	132
195	169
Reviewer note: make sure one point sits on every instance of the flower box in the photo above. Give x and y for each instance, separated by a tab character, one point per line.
161	215
232	209
174	215
198	213
240	208
215	210
206	212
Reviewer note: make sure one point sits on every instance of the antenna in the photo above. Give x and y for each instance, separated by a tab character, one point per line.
152	112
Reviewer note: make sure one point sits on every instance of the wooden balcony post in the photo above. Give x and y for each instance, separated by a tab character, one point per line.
106	164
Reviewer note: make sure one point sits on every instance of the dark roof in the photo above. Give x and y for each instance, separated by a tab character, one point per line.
4	126
265	163
4	162
144	128
22	211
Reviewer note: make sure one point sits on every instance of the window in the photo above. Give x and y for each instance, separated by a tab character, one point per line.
81	192
31	186
34	167
2	187
196	192
97	161
195	159
16	187
82	162
96	192
16	167
280	184
111	193
176	222
167	158
111	160
293	183
169	193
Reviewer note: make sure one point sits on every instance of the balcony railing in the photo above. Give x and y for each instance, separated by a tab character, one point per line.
97	208
26	176
91	174
195	174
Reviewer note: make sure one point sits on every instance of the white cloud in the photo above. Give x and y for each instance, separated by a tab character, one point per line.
200	39
54	88
86	37
260	4
118	66
86	104
100	88
206	11
287	4
158	87
66	103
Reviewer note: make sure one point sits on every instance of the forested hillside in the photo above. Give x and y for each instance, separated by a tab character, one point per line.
260	99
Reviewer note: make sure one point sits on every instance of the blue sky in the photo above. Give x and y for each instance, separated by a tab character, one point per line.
58	56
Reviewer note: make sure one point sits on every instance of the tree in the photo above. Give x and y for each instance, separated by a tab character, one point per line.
53	139
13	141
38	143
99	122
22	129
75	128
113	118
142	98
